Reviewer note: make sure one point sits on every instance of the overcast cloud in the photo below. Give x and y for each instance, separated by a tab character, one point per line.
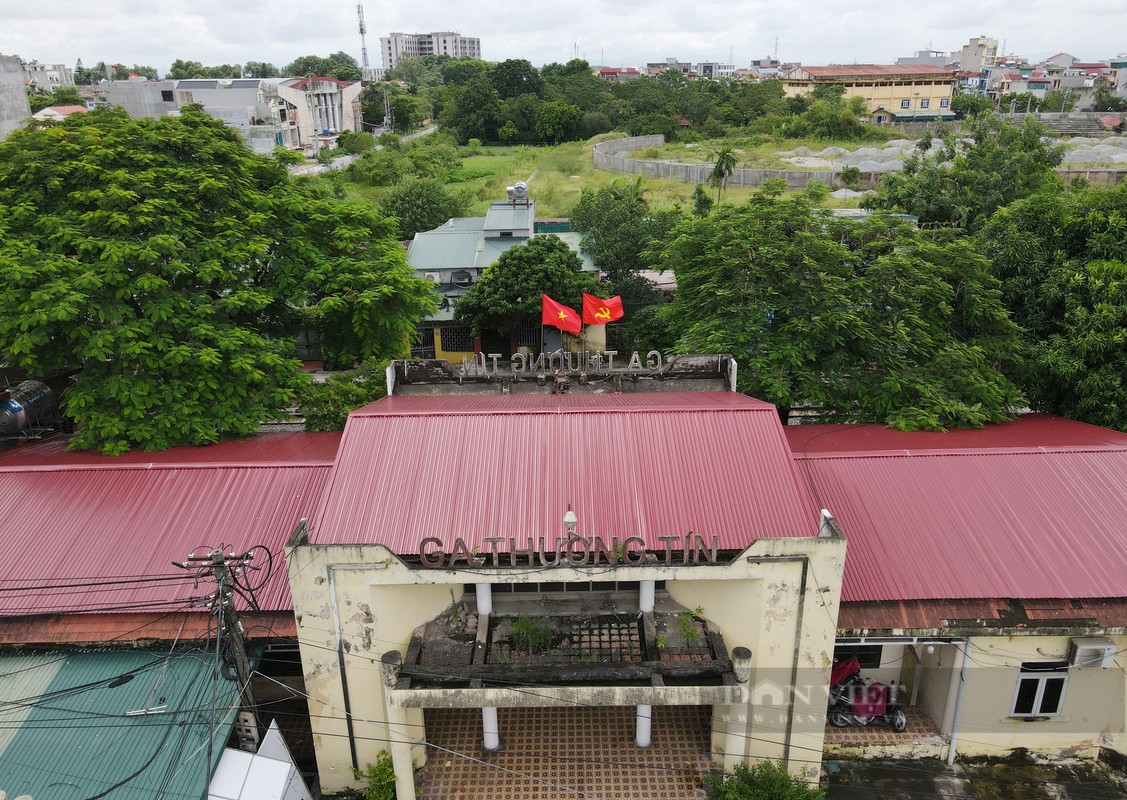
611	33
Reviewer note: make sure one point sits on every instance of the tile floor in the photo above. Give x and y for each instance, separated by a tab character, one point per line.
567	753
919	727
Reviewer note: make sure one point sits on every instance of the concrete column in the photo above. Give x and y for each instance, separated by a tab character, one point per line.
646	596
398	732
741	663
490	732
645	720
484	598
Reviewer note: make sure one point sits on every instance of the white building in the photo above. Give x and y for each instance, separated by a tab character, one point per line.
440	43
48	77
978	54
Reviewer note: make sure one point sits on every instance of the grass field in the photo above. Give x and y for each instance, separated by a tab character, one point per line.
557	175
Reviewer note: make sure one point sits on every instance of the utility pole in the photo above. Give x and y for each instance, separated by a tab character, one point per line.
225	569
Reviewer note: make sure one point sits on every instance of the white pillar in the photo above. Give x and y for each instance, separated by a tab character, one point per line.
642	737
397	730
646	596
491	736
484	598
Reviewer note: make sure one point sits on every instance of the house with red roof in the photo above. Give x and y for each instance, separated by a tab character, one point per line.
892	92
58	112
986	578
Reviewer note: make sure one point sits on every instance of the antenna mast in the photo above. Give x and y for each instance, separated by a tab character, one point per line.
363	41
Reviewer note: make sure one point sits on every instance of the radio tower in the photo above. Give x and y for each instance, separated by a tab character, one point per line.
363	41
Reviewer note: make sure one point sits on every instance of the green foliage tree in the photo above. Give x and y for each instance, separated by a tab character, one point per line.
338	65
702	203
508	294
971	104
863	320
181	70
764	780
961	181
172	266
557	121
355	143
1105	99
260	69
325	404
1062	260
472	111
722	169
60	96
514	77
420	204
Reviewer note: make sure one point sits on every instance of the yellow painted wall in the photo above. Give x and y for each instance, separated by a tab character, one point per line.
887	93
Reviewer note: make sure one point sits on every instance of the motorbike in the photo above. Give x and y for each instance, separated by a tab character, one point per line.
855	702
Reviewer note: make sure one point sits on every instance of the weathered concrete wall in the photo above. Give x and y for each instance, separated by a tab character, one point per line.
375	602
612	156
14	108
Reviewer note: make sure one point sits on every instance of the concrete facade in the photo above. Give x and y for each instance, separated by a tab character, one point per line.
14	108
399	46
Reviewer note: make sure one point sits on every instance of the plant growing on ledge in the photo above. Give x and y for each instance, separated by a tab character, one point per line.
531	635
380	777
686	624
763	781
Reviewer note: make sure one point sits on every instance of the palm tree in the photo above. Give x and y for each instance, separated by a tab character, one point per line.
725	165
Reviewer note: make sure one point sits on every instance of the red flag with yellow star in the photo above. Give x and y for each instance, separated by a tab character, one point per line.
559	316
597	311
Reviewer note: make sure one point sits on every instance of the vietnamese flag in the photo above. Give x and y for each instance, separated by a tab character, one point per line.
558	316
597	311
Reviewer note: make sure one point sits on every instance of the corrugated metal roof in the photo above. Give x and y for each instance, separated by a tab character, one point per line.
1030	431
637	464
876	70
64	734
74	526
89	629
964	524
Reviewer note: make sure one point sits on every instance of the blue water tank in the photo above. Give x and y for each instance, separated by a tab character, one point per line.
29	403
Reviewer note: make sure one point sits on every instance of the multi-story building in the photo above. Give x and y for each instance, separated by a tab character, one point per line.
979	53
398	46
48	77
892	92
14	108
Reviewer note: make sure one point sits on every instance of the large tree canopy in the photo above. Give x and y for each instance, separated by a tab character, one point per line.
508	294
1062	260
961	181
861	320
172	266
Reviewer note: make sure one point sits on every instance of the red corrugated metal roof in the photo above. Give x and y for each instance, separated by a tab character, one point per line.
1030	431
881	70
88	520
632	464
961	522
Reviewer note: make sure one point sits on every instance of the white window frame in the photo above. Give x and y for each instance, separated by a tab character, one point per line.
905	103
1041	675
944	102
925	102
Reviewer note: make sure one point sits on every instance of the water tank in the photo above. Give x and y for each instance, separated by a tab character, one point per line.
29	403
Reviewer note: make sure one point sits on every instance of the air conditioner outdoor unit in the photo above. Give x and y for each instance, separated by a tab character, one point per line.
1091	652
433	277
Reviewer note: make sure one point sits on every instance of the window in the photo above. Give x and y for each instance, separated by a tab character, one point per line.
1040	689
925	103
166	95
868	654
945	102
185	97
905	103
456	339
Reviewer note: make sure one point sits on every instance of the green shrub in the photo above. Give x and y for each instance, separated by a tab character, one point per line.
765	780
325	405
380	777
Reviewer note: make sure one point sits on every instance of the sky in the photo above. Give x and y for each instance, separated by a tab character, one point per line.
155	32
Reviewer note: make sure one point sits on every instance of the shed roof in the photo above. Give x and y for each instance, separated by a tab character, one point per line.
64	733
1030	509
637	464
101	531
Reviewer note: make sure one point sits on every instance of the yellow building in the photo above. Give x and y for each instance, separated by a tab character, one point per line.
894	93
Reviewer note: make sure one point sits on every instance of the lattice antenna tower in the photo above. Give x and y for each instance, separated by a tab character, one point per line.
363	33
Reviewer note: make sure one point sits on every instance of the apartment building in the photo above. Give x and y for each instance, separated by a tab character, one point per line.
398	46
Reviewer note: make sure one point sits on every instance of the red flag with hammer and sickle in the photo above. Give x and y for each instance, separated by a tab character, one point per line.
597	311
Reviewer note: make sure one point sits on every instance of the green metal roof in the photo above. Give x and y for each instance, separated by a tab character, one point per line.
69	727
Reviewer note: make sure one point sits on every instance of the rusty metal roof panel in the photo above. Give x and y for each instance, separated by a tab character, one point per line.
83	539
962	525
646	465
